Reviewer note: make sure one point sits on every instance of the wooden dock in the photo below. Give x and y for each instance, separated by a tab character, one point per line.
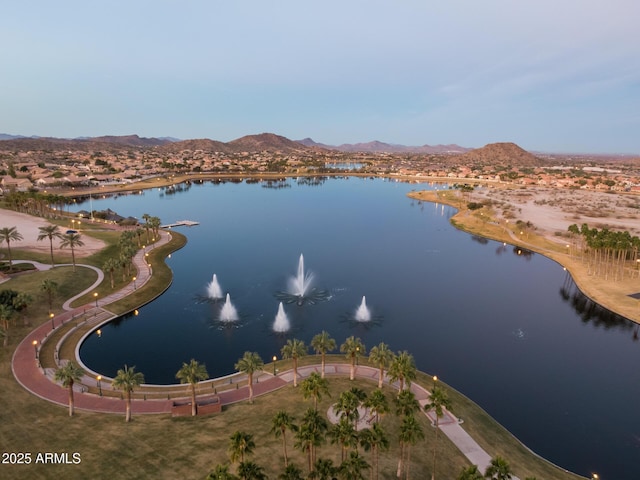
181	223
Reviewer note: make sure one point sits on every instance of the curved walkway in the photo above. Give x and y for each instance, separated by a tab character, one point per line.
28	372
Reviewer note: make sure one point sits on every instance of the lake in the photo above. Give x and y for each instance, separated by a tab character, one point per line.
502	325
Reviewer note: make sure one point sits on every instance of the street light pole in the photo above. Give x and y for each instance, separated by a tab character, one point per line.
51	315
99	385
35	347
274	365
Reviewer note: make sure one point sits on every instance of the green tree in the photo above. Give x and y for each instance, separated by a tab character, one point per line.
221	472
381	356
323	469
406	403
280	423
240	443
294	349
377	404
192	373
410	433
250	363
8	235
311	434
291	472
498	469
6	312
71	240
347	406
49	287
438	401
470	473
403	370
353	468
127	380
353	348
68	375
345	434
374	439
50	232
110	266
314	386
322	343
251	471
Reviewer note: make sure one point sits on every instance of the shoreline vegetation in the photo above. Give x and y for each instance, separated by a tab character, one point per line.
494	438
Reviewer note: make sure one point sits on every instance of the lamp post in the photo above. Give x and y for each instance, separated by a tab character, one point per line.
98	378
95	295
274	365
51	315
35	347
134	283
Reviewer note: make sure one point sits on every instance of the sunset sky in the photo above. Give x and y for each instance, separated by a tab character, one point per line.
549	75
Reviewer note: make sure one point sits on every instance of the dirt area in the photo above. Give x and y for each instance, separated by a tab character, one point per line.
28	225
552	210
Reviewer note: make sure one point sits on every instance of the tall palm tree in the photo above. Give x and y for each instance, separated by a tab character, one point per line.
8	235
381	356
50	232
353	467
6	312
240	443
250	363
377	403
314	386
110	266
347	406
20	303
406	403
438	401
251	471
353	348
344	434
311	434
322	343
146	217
294	349
291	472
192	373
49	287
127	379
410	433
71	240
374	439
498	469
280	423
323	469
403	369
470	473
221	472
69	374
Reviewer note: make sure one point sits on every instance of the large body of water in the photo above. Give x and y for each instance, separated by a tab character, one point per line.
506	329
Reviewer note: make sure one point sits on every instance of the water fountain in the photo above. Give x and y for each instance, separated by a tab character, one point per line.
228	313
299	284
213	290
281	323
362	313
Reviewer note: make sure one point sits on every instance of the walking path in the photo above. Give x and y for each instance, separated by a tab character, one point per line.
28	372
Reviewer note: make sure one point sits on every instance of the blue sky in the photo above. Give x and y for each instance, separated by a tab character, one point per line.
549	75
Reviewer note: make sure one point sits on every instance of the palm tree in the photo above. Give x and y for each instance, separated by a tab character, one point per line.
498	469
280	422
294	349
312	432
146	217
315	386
8	235
344	434
192	373
127	379
322	343
381	356
239	444
377	403
347	406
291	472
470	473
403	369
410	433
68	375
50	232
49	287
6	312
438	401
323	469
110	266
251	471
353	467
221	472
20	302
71	240
406	403
353	348
249	364
374	439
